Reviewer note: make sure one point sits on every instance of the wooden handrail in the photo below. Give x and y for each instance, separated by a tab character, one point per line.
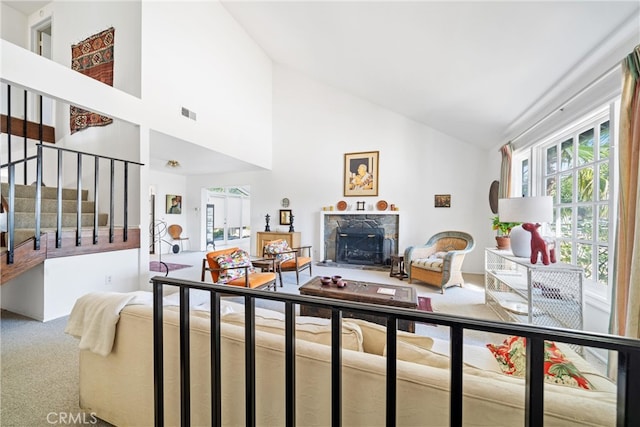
33	129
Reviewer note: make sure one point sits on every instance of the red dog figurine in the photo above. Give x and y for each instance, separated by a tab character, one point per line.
539	245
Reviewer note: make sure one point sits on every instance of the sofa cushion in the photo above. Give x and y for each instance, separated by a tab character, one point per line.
238	258
277	247
415	354
431	263
511	356
375	337
312	329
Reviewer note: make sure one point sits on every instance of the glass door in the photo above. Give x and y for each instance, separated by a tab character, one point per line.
209	227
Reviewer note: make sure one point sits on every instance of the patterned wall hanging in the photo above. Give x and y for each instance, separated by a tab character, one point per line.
92	57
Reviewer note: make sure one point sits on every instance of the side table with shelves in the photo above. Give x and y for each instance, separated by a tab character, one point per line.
544	295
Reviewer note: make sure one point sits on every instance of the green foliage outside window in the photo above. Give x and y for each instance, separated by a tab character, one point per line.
583	199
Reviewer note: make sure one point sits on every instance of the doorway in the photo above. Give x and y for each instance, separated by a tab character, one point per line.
42	44
227	217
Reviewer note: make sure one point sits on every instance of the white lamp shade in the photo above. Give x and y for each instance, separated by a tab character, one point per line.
526	209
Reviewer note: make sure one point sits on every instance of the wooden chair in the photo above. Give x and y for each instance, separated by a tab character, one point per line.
290	259
250	278
175	231
439	261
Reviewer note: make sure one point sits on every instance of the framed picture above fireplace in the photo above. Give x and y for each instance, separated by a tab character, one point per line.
361	173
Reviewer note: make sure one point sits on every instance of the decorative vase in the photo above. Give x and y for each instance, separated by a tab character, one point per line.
503	242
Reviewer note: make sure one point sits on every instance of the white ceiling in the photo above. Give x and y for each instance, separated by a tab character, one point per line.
468	69
194	159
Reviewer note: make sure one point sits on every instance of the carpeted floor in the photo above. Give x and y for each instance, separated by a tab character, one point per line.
39	374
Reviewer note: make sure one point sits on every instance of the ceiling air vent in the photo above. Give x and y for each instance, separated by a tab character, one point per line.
188	114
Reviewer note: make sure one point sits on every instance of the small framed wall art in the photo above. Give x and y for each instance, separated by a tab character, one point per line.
174	204
442	201
285	216
361	174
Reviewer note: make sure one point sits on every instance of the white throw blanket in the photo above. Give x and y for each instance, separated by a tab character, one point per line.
94	317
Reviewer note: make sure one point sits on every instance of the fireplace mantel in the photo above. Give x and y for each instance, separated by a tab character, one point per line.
323	213
328	221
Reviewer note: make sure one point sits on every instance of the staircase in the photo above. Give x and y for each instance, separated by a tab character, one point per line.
67	225
73	240
25	206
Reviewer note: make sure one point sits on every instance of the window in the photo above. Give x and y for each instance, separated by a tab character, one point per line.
575	168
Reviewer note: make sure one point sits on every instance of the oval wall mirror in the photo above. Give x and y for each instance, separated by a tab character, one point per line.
493	196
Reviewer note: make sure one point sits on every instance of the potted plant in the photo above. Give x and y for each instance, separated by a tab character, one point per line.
504	229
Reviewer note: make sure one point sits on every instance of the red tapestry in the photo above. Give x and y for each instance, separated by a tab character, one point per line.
92	57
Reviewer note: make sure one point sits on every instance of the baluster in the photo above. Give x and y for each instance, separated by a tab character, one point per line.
111	201
79	202
59	203
38	213
126	202
24	132
96	187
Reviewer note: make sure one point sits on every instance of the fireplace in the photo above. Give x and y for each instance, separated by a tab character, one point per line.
359	245
359	238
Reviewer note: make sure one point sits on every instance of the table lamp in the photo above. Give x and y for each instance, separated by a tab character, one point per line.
524	210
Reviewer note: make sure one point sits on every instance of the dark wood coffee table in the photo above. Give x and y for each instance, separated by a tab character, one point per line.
404	296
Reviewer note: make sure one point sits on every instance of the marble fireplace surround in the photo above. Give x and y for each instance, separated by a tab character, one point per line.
331	220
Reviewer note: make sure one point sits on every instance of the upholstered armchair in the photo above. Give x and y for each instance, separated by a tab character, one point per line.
439	261
289	259
233	267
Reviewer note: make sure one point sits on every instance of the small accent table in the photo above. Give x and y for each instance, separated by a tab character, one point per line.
397	261
268	264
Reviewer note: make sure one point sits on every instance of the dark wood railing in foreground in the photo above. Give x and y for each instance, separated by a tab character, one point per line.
628	396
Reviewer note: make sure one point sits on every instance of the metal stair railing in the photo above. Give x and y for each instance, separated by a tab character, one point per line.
26	160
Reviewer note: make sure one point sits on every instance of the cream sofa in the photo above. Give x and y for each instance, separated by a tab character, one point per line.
118	388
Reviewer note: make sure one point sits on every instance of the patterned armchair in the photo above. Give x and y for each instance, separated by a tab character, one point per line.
439	261
233	267
290	259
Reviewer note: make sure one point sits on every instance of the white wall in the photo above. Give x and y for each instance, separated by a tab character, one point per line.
315	125
195	55
50	290
74	21
13	25
161	184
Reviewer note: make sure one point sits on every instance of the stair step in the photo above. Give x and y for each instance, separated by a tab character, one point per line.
50	220
24	234
29	191
50	205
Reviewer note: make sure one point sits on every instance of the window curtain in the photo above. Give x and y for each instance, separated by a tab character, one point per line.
504	189
625	310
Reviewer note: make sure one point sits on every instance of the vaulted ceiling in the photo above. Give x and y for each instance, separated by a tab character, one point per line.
468	69
477	70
